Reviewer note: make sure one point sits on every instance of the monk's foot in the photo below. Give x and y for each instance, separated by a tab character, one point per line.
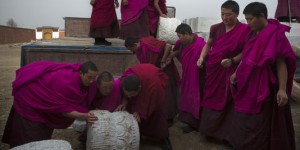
166	144
187	129
170	122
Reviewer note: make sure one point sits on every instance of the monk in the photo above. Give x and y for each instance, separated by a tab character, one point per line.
187	49
47	96
153	51
222	54
104	22
263	83
144	87
134	19
108	92
156	9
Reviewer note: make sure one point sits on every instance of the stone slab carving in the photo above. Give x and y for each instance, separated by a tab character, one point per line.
113	131
45	145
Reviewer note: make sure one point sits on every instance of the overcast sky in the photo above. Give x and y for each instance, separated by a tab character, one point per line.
37	13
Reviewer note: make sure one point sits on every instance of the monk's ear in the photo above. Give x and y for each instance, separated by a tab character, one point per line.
137	45
81	73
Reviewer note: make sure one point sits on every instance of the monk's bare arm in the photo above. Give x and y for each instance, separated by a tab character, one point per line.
204	52
282	98
123	106
156	6
89	117
167	50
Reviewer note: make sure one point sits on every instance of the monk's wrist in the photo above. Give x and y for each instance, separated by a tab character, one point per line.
232	61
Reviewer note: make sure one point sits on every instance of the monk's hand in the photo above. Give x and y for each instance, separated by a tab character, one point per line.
125	2
137	117
92	2
282	97
226	63
200	62
116	4
233	79
91	118
164	15
163	65
122	107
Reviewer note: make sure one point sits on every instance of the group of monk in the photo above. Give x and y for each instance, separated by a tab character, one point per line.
139	18
233	87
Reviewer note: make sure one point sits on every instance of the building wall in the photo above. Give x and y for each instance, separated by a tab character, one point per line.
16	35
77	27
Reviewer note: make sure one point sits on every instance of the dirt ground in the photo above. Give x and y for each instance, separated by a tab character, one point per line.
10	62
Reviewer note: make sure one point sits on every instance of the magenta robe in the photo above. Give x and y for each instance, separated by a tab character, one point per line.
150	103
44	90
109	102
256	73
132	11
190	83
217	84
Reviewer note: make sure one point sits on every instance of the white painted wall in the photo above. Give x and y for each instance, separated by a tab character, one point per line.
38	35
55	35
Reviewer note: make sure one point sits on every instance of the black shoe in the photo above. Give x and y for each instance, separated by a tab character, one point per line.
103	43
166	144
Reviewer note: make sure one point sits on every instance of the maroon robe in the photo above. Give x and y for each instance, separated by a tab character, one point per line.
151	101
282	10
134	23
151	51
104	22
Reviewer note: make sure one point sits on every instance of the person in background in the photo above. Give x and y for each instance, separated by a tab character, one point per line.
48	96
104	22
263	81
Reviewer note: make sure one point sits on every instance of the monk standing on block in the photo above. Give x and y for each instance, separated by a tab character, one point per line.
134	21
262	113
144	87
48	96
104	22
222	53
156	9
153	51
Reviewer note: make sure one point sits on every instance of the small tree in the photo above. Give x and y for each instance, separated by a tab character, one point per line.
11	22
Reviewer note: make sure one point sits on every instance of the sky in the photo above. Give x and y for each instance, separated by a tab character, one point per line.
38	13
